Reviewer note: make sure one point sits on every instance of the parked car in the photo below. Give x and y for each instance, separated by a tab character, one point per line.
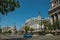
27	35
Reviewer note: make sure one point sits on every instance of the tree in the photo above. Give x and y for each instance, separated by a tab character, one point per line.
26	28
31	29
8	5
50	26
9	31
45	22
5	32
56	24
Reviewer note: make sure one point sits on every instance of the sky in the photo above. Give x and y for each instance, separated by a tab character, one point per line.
28	9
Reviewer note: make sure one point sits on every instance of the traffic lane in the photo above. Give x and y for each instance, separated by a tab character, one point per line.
45	38
38	38
16	39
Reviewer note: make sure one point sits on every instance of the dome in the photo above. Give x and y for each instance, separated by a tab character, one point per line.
27	20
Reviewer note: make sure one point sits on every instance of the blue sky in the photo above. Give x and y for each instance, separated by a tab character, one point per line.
28	9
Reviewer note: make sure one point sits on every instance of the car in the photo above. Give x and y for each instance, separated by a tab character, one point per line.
27	35
49	34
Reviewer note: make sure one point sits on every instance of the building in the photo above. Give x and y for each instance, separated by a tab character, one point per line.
7	28
13	29
36	23
54	11
4	29
21	30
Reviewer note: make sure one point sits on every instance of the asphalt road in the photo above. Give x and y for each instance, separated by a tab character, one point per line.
46	38
38	38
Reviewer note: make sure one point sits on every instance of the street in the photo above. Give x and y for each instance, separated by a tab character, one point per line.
46	38
38	38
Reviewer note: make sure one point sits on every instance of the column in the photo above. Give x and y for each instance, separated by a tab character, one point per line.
59	17
54	17
51	20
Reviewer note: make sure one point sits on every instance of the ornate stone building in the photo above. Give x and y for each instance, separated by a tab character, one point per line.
4	29
7	28
54	11
36	23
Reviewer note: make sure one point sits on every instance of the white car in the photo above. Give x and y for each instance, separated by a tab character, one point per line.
49	35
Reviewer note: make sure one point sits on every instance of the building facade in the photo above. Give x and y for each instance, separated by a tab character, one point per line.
54	11
4	29
21	30
36	23
7	28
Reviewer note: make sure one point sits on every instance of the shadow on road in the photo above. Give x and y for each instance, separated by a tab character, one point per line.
16	39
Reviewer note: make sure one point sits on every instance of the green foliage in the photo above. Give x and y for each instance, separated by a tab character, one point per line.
45	22
8	5
27	28
9	31
50	27
5	32
31	29
56	24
